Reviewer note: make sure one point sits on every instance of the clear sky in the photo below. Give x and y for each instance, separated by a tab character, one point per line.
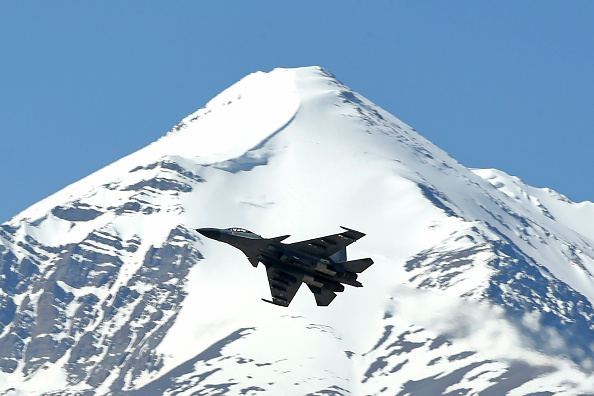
497	84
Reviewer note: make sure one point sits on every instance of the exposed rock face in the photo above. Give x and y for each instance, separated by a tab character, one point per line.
481	284
99	305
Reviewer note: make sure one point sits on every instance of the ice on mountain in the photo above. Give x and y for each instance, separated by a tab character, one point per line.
481	284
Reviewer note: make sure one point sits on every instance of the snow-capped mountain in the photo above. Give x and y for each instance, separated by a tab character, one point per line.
481	284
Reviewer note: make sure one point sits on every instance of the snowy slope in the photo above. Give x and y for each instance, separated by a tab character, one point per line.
481	284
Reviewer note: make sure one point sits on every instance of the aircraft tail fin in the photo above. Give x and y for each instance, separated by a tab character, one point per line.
357	266
339	256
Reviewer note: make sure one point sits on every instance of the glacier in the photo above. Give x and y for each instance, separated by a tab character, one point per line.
481	283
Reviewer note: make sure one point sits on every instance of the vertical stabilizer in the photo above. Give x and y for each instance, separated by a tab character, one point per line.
339	256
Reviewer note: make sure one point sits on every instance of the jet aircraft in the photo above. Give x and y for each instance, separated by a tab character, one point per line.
320	263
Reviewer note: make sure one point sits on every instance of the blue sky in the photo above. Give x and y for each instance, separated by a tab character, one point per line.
500	84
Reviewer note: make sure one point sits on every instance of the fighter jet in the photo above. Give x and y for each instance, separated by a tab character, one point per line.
320	263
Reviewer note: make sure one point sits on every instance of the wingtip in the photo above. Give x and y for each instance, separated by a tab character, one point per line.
353	233
274	303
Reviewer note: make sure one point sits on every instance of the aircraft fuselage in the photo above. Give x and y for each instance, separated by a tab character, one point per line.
316	263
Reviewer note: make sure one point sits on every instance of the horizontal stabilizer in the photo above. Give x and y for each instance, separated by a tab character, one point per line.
323	296
357	265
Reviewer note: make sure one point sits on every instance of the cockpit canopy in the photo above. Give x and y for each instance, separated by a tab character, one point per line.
242	230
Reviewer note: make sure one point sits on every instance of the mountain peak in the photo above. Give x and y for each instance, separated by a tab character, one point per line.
480	281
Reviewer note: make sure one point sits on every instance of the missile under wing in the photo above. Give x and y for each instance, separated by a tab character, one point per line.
321	263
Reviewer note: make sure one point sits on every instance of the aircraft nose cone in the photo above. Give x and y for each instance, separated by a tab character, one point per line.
211	233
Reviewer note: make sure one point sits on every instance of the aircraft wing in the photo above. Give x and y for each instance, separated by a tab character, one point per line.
328	245
283	285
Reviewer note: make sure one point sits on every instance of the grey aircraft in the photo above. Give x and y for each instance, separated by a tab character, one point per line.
321	263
